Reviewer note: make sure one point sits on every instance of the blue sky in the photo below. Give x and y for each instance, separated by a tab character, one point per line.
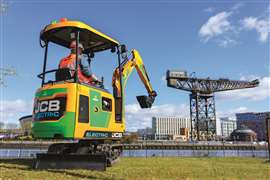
214	39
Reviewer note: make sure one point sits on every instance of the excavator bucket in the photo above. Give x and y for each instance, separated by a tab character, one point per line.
71	161
145	101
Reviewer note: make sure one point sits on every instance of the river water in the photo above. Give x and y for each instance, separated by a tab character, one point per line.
31	153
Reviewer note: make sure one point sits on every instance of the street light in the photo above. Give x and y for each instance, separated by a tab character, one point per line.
268	133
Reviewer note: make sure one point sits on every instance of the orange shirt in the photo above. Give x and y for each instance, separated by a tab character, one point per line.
70	62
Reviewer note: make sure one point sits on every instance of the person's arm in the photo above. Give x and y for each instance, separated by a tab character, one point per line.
85	67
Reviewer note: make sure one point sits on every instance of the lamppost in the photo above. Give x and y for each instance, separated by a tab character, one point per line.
268	133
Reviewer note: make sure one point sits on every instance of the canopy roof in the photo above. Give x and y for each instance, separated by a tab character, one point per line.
63	32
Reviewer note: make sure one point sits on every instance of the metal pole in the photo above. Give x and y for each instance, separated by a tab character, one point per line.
223	147
162	146
214	111
178	149
146	148
191	118
77	55
252	148
44	63
120	79
129	150
268	133
208	146
206	118
197	116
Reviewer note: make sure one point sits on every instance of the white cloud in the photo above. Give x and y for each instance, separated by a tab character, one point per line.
209	9
226	41
231	113
11	110
216	25
137	118
224	32
163	79
262	26
249	77
258	93
237	6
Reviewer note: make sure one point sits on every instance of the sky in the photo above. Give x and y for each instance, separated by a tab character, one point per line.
217	39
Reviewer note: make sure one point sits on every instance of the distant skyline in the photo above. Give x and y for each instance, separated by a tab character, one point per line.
216	39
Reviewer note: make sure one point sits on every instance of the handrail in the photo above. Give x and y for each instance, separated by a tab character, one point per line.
41	75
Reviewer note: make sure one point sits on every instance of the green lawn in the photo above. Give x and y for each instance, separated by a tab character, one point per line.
149	168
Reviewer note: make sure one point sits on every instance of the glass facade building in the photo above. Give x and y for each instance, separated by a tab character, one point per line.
255	122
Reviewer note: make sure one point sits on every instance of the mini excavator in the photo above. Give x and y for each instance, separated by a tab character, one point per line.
88	115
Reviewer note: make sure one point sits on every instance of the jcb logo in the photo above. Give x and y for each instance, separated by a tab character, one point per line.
45	106
117	135
52	109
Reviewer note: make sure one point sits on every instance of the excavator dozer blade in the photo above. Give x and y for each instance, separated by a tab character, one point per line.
71	161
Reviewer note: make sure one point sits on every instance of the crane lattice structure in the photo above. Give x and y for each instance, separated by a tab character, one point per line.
202	100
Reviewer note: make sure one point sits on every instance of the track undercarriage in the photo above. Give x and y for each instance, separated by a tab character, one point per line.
85	154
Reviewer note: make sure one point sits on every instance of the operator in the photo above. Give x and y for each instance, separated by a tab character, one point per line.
85	74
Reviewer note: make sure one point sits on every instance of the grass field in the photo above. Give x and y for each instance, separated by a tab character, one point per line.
149	168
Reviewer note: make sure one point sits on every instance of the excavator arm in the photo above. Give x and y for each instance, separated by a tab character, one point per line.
127	67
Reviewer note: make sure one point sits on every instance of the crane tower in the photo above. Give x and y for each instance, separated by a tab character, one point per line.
202	100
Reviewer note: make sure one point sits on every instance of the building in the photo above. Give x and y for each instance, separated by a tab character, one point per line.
227	125
145	134
25	123
165	128
243	134
255	122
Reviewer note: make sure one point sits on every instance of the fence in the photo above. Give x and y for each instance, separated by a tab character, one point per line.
151	149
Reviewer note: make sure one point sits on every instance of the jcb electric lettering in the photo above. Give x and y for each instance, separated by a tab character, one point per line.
51	105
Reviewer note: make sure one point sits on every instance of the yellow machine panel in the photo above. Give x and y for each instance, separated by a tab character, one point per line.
101	112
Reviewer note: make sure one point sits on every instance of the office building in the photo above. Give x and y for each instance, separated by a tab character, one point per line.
170	128
227	126
253	121
145	134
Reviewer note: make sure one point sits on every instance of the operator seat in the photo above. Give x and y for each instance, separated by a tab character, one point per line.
63	74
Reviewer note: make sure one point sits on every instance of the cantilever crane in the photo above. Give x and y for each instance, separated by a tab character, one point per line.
202	101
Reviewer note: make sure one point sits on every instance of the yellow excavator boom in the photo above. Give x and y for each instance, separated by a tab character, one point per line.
127	68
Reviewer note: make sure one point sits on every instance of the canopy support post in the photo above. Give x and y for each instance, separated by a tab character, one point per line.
77	55
44	63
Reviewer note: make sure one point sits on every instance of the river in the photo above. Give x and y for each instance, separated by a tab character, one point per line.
31	153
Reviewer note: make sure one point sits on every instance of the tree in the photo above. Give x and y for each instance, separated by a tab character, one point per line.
130	138
11	125
2	125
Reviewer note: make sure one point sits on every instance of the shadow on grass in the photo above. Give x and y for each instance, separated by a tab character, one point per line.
28	165
77	175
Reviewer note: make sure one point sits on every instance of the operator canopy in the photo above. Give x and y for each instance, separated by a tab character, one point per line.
63	33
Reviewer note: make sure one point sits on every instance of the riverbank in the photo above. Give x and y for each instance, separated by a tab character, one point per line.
146	145
149	168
